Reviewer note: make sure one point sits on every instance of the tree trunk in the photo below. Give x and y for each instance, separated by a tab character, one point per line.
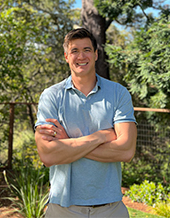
96	24
29	106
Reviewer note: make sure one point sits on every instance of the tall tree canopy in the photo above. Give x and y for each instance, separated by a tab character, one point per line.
31	54
97	15
146	63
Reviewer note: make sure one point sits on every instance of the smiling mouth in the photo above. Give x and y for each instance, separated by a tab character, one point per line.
82	64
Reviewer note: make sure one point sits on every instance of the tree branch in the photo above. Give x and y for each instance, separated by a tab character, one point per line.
144	12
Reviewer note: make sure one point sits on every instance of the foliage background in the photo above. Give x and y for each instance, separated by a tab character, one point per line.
31	59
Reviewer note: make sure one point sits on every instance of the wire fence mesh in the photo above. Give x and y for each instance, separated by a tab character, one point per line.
152	158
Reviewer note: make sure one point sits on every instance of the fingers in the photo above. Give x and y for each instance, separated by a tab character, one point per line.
49	130
60	131
55	121
48	138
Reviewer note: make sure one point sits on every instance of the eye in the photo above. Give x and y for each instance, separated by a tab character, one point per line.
87	50
74	51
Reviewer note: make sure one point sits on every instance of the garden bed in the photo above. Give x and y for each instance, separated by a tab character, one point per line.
6	211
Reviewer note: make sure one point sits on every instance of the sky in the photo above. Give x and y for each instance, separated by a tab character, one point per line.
78	4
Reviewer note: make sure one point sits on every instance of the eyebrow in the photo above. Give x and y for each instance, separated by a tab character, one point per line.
75	49
87	48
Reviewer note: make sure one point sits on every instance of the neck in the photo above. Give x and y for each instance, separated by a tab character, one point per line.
84	84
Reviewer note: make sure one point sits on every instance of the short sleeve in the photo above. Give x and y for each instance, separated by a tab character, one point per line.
124	111
47	107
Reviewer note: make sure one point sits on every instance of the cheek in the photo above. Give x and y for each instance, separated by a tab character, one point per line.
71	63
73	60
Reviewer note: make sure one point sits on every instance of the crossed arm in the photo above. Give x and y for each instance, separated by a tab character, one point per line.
104	145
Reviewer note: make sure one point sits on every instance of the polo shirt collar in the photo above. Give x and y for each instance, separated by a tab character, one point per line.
69	84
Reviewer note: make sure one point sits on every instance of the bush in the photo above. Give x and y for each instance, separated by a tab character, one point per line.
25	148
163	208
147	193
29	194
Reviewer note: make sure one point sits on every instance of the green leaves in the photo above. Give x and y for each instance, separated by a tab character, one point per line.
146	62
30	45
124	12
31	53
147	192
28	190
163	208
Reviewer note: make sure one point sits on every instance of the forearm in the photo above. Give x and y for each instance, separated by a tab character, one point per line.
113	151
120	150
65	151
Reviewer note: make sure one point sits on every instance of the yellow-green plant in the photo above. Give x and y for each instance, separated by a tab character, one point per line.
29	193
147	192
163	208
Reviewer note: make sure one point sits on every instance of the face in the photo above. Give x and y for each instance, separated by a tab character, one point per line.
81	57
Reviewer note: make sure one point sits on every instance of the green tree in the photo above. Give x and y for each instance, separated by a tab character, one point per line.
120	38
146	63
31	53
97	15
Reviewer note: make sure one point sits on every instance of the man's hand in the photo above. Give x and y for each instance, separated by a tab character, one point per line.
50	132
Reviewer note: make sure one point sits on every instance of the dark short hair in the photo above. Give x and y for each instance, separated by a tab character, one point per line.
79	33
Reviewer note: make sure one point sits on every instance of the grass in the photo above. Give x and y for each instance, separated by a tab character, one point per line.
139	214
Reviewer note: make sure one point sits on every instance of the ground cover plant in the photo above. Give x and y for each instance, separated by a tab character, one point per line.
28	191
139	214
152	194
147	192
163	208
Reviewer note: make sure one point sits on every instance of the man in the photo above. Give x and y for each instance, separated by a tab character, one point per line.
85	128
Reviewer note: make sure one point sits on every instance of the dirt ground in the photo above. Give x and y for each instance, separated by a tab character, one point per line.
6	211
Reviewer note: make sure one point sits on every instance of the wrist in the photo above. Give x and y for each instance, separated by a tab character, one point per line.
101	136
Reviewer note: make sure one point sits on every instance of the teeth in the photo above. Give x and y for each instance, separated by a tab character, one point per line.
82	64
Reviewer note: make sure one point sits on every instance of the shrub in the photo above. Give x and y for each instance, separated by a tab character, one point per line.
163	208
29	194
25	149
147	192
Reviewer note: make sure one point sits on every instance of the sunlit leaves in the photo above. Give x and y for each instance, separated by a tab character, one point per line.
146	62
124	12
31	54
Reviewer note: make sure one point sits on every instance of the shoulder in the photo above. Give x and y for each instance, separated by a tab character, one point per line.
56	87
109	85
55	90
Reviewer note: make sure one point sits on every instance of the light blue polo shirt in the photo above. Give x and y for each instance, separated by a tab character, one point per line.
85	182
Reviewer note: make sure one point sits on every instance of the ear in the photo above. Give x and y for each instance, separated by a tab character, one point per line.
96	54
66	57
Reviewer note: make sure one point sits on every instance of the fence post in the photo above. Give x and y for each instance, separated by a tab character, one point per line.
10	145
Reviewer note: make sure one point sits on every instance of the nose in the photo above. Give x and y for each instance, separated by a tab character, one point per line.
81	55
